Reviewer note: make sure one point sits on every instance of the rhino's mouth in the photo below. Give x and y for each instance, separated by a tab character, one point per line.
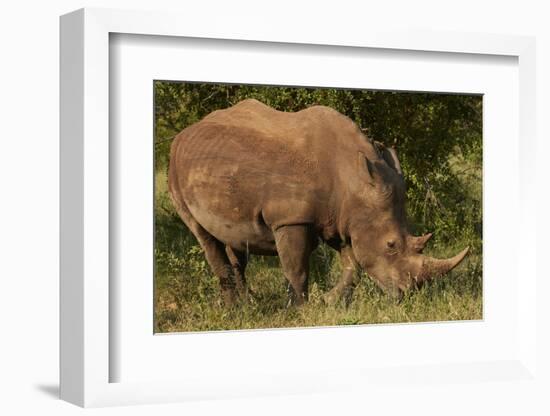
389	286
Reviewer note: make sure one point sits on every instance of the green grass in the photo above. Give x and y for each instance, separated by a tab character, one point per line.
187	295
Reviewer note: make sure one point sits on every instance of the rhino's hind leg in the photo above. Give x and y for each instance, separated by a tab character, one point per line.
238	260
344	288
294	246
216	257
215	254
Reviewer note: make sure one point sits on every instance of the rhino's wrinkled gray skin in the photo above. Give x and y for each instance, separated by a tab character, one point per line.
250	179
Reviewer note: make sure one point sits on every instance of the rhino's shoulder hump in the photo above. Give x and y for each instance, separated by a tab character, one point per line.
251	102
327	114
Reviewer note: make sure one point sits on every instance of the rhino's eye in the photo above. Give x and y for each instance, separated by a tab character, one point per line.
391	244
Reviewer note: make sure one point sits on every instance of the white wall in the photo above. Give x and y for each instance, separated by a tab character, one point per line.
29	179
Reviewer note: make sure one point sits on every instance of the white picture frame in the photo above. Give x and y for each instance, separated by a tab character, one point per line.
85	165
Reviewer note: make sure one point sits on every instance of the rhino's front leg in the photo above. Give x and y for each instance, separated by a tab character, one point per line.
346	284
294	246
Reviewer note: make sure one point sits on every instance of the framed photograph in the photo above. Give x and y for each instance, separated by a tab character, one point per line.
239	182
281	213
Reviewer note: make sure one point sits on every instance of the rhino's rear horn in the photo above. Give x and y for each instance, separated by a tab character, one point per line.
418	243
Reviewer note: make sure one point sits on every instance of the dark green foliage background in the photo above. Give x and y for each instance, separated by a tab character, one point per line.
438	138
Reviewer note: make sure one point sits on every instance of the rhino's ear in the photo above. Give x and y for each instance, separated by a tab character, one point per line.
365	167
390	156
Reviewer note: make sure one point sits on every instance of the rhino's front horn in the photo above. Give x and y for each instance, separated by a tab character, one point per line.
432	268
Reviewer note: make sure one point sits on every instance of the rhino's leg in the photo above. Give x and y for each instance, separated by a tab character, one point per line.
346	284
216	257
214	252
238	261
294	246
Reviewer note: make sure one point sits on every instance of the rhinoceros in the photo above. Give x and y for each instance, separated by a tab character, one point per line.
253	180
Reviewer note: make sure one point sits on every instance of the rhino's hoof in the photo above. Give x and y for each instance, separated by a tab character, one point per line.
331	298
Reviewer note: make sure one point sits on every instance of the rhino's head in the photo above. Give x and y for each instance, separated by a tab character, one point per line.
380	240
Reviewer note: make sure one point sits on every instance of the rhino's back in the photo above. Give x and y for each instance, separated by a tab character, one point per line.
246	170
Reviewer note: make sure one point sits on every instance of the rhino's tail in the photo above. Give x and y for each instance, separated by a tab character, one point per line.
173	186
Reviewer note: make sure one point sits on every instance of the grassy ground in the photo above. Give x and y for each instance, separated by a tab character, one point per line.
187	294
